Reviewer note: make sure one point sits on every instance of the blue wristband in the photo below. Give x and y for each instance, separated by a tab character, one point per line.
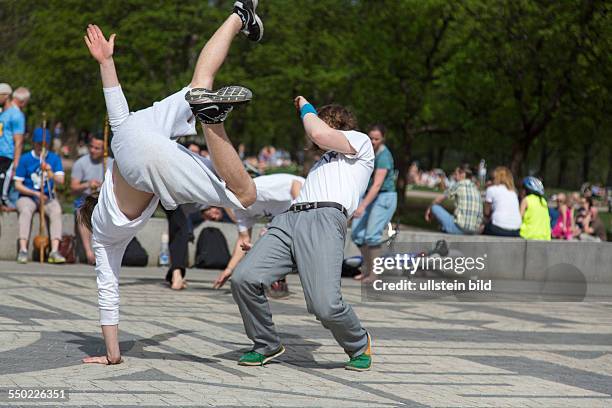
308	108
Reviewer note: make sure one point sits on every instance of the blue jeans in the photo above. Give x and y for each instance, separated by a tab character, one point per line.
446	220
368	229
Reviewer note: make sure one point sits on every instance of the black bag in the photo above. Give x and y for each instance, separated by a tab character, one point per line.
135	255
211	249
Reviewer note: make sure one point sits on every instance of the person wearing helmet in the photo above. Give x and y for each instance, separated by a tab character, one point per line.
534	211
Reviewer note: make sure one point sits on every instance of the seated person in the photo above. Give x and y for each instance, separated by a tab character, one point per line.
468	205
534	211
590	226
32	172
502	205
275	194
563	227
87	177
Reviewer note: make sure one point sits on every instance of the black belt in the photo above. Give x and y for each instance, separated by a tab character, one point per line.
318	204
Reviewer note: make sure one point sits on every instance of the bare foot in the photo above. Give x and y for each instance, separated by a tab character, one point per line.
369	279
101	360
177	280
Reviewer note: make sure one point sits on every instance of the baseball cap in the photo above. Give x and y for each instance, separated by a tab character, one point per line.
5	89
37	136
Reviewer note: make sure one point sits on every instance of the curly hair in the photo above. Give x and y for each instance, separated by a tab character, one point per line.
338	117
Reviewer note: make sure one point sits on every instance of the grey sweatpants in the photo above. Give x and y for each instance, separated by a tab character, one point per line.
312	241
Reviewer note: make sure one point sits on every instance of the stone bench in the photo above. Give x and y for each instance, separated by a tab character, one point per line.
507	258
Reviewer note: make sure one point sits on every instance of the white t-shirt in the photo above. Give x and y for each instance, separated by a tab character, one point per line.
505	207
112	232
341	178
273	197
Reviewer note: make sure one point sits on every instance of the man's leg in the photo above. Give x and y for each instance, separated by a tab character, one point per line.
319	264
358	233
445	219
26	208
225	159
54	212
179	240
381	213
268	261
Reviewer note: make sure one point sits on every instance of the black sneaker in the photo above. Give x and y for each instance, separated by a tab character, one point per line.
252	26
212	107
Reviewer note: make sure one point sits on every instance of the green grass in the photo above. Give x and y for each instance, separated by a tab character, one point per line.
412	213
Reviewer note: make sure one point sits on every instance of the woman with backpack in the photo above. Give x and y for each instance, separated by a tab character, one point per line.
534	211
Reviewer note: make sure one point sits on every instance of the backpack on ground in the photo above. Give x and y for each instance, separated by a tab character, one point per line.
135	255
212	251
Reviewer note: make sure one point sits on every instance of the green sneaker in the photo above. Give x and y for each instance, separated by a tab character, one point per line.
362	362
253	358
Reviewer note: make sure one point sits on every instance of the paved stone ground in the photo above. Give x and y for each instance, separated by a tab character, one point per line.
181	348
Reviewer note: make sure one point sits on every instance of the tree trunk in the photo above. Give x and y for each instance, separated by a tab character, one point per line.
405	156
440	156
519	152
562	168
609	178
543	160
586	161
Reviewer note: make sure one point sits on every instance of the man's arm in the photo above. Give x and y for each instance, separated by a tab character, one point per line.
438	200
18	141
296	186
324	136
244	237
108	264
102	51
77	186
18	124
379	178
23	190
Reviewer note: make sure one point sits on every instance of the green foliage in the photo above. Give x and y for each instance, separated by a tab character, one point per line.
503	80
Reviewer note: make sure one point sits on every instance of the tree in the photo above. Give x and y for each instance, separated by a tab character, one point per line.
403	48
534	53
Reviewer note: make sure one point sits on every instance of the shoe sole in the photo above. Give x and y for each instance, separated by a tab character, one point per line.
358	369
234	95
265	360
261	28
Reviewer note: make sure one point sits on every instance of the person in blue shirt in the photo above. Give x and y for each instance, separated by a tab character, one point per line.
12	129
32	172
378	204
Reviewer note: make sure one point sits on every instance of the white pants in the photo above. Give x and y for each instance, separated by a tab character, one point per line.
150	160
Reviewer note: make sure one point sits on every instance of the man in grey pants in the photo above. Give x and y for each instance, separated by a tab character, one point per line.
311	236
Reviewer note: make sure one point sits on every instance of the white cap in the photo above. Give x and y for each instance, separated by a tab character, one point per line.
5	89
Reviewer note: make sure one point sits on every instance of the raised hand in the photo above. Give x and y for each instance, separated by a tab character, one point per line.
298	102
100	48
